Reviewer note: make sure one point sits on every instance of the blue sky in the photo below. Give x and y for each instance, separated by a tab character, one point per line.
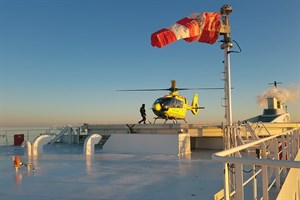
62	61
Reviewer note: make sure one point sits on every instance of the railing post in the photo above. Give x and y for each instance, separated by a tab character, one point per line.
293	154
296	141
254	183
277	169
226	182
70	130
6	140
298	133
283	149
226	137
77	135
288	141
264	170
292	146
239	180
27	135
235	130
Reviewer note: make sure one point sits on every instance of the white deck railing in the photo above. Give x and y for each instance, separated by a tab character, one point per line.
268	164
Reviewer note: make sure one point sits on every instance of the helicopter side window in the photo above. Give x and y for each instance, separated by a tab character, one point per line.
177	103
168	102
164	102
173	102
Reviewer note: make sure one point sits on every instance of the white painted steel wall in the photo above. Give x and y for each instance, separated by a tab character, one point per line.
291	187
178	144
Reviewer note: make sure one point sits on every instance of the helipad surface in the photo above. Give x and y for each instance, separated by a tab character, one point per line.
64	172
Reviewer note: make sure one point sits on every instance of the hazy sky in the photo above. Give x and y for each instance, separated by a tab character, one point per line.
63	60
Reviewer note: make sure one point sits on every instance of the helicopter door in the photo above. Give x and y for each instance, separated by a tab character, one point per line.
176	103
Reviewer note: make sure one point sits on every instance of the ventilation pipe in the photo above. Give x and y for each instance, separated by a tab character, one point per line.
90	142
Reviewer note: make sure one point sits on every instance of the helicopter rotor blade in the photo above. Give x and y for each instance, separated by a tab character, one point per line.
200	88
142	90
170	89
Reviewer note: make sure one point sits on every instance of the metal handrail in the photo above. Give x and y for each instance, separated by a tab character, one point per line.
224	156
228	157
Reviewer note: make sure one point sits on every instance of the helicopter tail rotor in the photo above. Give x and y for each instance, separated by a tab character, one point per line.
195	108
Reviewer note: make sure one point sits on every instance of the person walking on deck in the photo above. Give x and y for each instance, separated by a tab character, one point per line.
143	114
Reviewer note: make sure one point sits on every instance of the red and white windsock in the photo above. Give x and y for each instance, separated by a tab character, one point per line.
201	27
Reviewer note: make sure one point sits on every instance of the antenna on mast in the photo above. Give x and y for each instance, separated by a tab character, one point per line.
275	83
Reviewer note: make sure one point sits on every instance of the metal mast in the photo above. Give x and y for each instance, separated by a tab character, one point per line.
227	44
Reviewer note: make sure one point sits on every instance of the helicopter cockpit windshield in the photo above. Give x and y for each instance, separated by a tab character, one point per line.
169	102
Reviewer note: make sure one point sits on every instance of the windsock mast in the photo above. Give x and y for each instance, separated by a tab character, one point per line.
226	46
203	27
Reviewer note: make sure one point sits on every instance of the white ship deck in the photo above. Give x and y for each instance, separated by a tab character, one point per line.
64	172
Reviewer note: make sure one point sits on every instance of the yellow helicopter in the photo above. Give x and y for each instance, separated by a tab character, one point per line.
174	106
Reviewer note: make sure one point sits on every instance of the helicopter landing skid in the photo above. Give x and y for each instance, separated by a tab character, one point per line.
173	119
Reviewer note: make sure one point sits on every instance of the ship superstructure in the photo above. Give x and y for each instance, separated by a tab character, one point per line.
275	112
